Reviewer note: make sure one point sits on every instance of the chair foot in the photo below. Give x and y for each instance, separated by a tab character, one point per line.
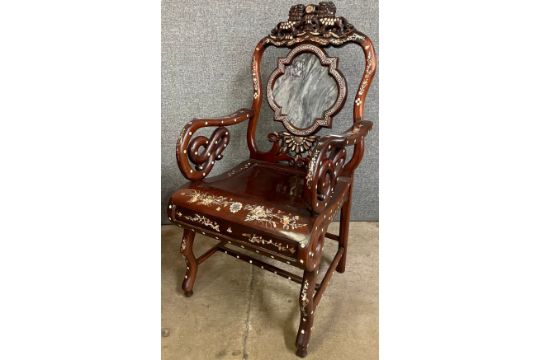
188	293
301	352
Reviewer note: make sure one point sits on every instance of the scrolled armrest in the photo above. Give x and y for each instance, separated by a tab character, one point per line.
201	151
328	163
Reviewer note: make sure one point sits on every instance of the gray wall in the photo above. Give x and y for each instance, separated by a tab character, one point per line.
205	61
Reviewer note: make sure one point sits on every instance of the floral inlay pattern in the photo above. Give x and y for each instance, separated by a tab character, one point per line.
202	198
235	207
204	221
257	239
311	168
369	70
259	213
240	169
272	217
183	246
303	297
255	79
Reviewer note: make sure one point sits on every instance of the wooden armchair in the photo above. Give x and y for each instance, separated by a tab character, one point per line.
279	203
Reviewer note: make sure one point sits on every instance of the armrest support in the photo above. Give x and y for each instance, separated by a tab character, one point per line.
202	151
328	163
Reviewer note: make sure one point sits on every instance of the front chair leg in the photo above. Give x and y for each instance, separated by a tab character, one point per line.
307	309
191	262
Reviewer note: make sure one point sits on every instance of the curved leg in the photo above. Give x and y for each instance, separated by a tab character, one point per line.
307	309
191	262
344	218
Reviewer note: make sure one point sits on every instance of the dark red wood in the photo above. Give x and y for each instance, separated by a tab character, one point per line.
279	203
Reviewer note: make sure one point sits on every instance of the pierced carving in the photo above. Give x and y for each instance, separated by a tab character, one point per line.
196	156
298	147
314	19
326	119
323	170
203	151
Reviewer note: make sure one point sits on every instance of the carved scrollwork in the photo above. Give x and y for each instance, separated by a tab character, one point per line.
203	152
196	156
328	163
324	169
314	23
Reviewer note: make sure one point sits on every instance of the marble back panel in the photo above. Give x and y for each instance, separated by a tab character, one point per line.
305	91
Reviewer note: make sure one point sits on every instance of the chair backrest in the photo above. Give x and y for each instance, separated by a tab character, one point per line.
306	90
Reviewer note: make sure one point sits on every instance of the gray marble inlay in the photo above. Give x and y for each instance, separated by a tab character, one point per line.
305	91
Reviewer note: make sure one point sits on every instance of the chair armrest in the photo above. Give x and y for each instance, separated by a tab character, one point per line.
328	163
188	148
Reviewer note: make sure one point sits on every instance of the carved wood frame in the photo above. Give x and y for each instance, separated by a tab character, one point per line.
321	40
326	61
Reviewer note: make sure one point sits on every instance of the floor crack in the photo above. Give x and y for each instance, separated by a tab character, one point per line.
248	315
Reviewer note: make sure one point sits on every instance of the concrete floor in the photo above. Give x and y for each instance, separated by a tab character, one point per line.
238	311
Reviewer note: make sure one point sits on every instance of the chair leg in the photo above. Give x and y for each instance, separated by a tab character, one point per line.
191	262
344	218
307	309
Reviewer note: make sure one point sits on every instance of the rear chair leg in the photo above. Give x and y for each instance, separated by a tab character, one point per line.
307	309
344	218
186	249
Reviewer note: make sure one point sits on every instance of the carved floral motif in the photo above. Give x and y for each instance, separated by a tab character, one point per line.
299	147
314	19
293	144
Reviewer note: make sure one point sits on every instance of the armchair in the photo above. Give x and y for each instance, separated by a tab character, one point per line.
279	203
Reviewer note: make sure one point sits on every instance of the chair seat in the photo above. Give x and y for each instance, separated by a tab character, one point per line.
250	203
